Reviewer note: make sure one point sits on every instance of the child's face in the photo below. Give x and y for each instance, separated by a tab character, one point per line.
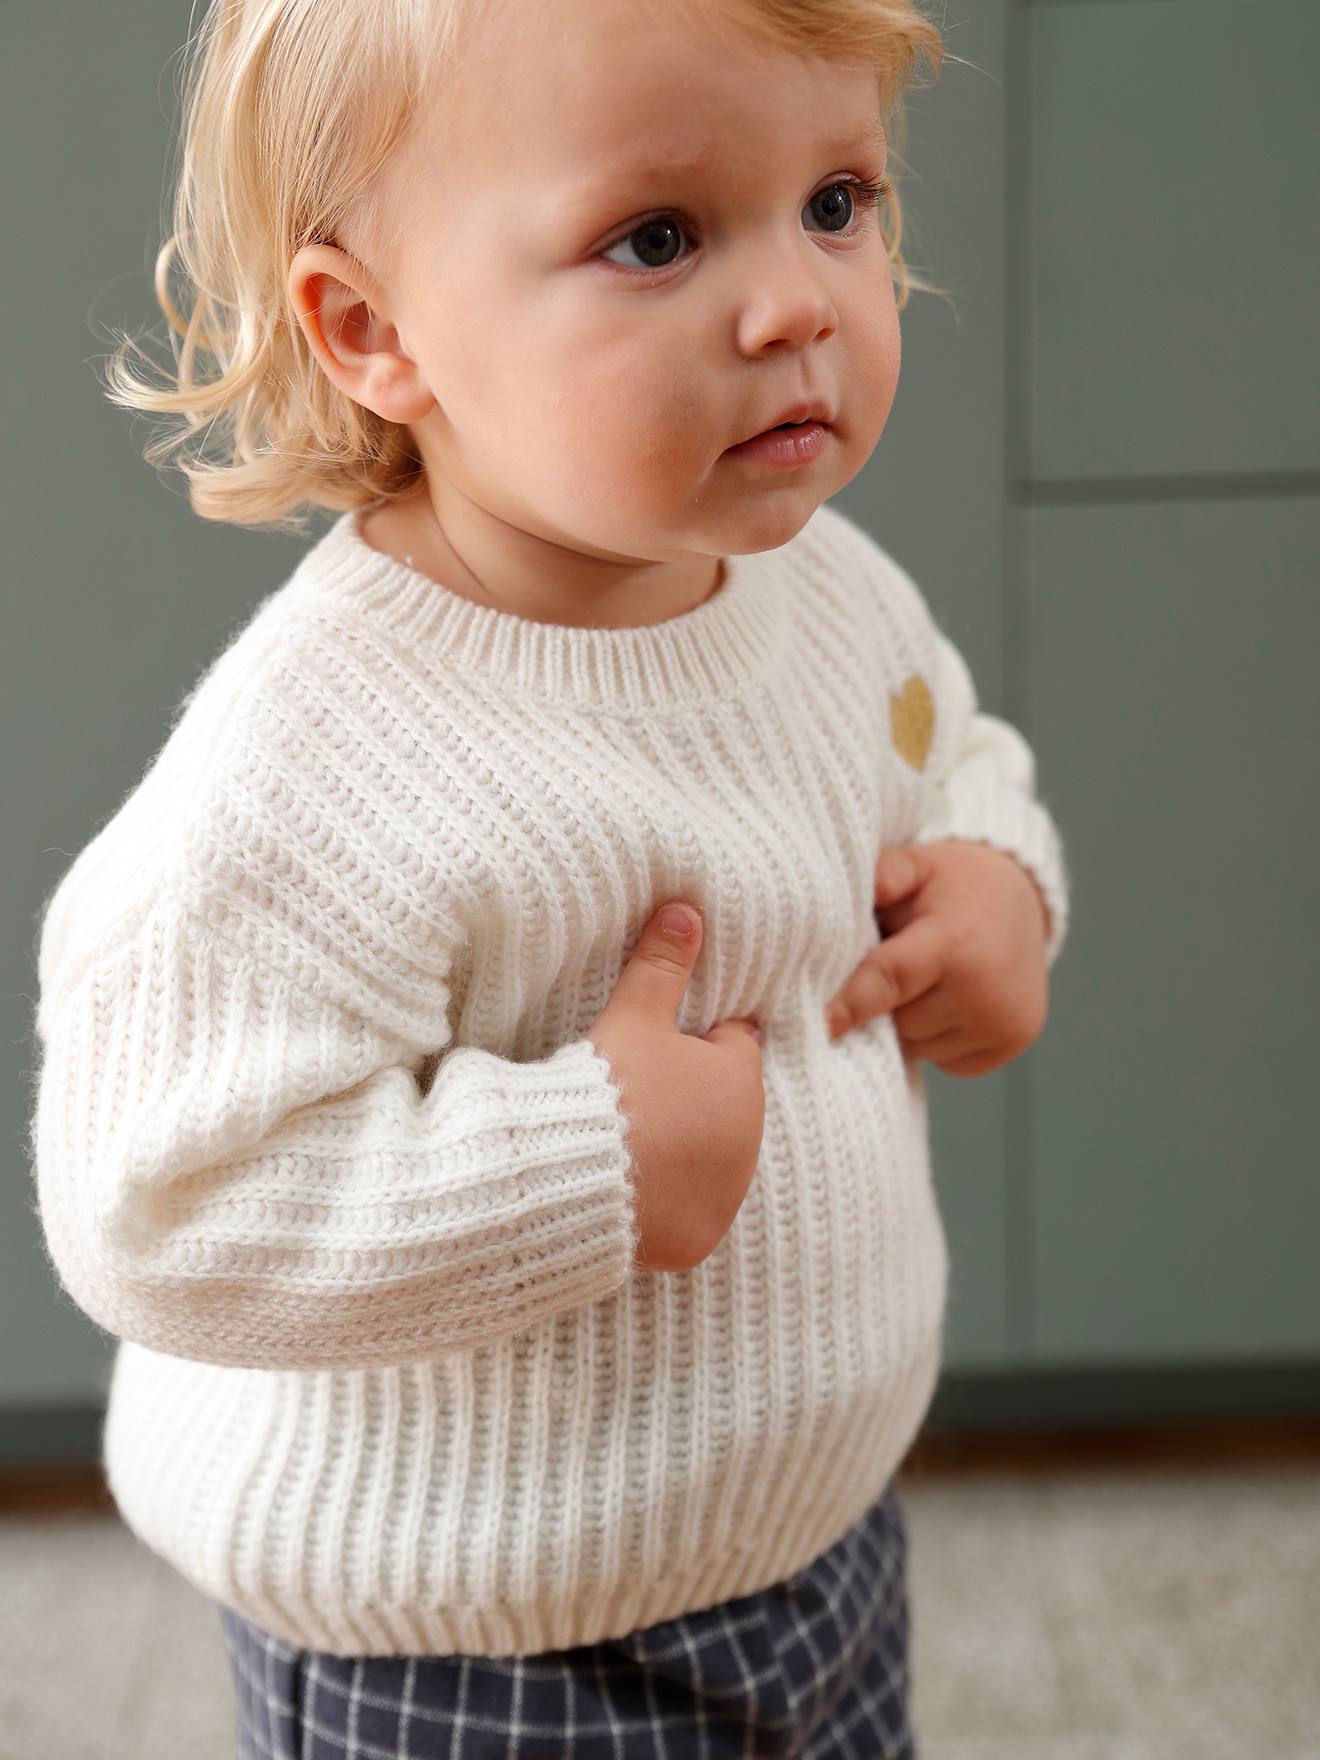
580	376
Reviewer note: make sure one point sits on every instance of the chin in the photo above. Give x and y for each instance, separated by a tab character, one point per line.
777	517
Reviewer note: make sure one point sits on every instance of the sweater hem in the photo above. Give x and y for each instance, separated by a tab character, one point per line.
490	1629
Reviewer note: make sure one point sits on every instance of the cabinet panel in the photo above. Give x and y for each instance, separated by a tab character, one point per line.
933	494
1174	704
1174	252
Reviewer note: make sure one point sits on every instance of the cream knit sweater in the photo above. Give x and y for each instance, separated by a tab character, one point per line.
320	1138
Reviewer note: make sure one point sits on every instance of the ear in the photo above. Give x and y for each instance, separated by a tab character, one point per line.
342	313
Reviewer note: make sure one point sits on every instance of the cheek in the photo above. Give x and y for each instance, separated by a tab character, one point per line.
874	364
621	408
681	434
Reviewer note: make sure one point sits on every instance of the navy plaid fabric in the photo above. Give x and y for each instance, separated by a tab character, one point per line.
815	1668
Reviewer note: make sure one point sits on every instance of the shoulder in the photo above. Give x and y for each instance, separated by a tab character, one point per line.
282	805
851	568
330	823
141	849
284	821
863	562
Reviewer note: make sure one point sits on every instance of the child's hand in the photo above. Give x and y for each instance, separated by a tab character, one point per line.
962	967
696	1102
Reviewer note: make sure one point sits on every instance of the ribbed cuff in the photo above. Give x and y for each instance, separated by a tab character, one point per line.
558	1125
1017	823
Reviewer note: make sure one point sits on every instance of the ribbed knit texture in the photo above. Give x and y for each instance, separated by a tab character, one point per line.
320	1136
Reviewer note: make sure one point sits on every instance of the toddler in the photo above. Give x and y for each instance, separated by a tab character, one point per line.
481	1060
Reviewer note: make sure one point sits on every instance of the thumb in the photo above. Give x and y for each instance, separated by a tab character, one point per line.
899	870
660	966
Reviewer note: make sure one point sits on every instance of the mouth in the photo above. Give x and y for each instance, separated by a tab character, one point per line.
787	444
796	419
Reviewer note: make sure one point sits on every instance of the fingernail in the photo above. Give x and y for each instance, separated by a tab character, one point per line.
835	1020
677	920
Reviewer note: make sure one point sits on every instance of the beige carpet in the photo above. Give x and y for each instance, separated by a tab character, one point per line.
1114	1616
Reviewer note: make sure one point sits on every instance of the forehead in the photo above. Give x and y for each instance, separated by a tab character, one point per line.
621	86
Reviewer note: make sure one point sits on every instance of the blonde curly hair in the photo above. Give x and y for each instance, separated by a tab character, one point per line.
291	109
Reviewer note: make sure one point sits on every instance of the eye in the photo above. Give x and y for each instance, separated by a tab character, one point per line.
656	239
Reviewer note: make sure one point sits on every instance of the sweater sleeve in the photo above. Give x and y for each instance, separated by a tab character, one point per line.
982	786
236	1163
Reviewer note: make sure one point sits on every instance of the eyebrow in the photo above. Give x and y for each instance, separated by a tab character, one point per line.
871	134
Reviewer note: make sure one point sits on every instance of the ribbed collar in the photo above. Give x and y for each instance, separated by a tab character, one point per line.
726	643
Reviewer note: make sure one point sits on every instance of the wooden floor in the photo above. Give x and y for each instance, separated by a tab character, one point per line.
1290	1442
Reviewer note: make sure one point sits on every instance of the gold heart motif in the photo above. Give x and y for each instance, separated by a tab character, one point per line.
912	720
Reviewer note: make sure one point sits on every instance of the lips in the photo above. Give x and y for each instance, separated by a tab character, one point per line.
798	413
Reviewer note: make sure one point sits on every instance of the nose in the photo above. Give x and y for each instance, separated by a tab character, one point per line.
788	300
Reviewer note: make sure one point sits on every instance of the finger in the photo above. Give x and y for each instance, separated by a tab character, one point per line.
900	969
977	1063
898	872
941	1048
930	1017
955	1055
893	917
